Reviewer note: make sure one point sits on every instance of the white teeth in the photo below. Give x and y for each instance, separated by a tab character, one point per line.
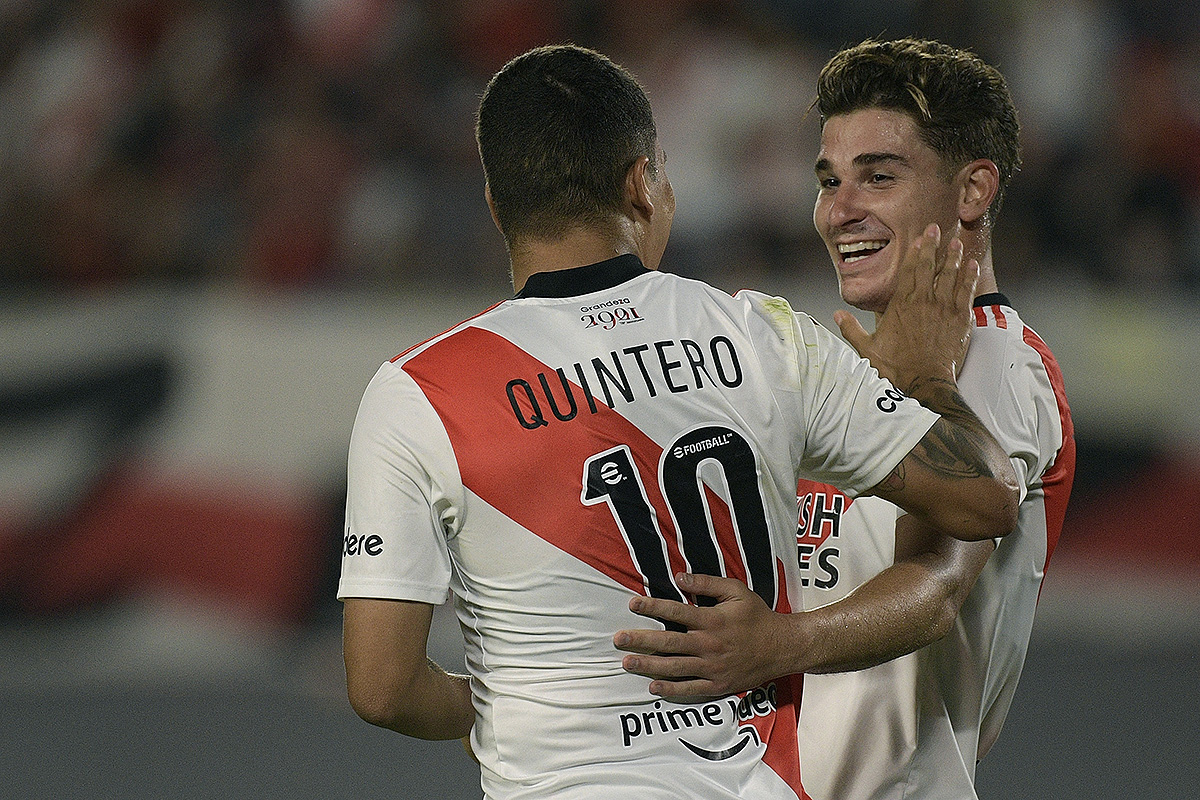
845	250
854	247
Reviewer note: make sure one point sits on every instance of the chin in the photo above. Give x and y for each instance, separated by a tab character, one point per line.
864	299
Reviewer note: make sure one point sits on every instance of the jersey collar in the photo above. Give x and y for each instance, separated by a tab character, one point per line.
991	299
583	280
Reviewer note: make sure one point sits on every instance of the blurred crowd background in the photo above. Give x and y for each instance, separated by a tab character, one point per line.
218	217
328	143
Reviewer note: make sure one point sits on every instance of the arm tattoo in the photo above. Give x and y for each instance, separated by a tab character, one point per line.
953	451
956	445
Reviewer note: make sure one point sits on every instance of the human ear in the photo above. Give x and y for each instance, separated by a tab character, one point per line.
491	204
637	188
980	180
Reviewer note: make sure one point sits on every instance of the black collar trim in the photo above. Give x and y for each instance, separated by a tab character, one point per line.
583	280
991	299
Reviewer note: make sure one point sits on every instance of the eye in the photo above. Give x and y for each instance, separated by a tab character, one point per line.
828	182
880	177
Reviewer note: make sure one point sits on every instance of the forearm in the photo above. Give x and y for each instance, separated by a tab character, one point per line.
907	606
740	643
434	705
443	708
390	681
900	610
971	450
957	478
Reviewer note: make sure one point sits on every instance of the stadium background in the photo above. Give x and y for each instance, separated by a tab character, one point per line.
217	218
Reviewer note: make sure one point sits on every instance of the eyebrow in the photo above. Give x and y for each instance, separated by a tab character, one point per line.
865	160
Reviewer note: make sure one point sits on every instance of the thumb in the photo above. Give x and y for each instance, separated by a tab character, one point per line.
852	331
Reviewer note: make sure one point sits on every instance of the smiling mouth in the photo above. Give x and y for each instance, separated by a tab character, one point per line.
857	251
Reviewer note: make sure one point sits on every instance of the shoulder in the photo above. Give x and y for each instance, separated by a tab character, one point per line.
451	337
1013	382
1003	342
777	315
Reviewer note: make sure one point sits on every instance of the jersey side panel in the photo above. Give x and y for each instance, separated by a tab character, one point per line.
1058	479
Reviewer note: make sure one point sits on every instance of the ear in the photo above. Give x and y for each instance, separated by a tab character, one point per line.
491	204
637	188
980	182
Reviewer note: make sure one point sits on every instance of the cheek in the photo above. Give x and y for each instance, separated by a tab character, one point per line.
820	214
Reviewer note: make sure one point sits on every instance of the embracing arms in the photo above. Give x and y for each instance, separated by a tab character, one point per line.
957	484
740	643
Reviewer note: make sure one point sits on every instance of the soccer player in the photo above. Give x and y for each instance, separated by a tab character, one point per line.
912	131
606	429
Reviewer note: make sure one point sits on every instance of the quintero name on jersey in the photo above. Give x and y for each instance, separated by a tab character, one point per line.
630	374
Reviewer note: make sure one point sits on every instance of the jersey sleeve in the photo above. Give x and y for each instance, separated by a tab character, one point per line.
856	426
1017	405
398	513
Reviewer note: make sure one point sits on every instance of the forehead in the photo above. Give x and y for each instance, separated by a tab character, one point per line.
872	132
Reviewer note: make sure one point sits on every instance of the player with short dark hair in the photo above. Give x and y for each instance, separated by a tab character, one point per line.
912	131
550	156
606	429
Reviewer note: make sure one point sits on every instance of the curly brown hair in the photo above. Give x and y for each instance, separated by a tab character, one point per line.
960	104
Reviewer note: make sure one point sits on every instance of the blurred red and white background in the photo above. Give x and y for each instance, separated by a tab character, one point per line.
218	218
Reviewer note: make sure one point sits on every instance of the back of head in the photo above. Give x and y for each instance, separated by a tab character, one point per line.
558	129
961	105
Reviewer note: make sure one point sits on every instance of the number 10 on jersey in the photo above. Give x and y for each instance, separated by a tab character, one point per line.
612	477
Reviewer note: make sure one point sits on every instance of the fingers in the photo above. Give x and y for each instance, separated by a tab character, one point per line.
689	616
665	610
948	275
695	687
920	263
715	586
647	642
968	279
672	676
672	667
852	331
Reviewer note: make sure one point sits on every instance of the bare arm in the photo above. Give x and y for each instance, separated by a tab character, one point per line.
740	643
389	679
957	479
910	604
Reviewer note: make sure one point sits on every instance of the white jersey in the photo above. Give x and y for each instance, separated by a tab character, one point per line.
916	726
582	443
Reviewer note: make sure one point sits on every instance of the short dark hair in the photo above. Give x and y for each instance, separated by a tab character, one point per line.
558	129
961	105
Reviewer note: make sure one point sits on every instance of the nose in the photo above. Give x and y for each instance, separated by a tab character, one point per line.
843	207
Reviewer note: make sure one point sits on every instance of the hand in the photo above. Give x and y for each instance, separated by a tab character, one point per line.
924	331
727	647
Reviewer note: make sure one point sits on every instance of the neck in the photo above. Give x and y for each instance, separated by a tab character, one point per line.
987	275
577	248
